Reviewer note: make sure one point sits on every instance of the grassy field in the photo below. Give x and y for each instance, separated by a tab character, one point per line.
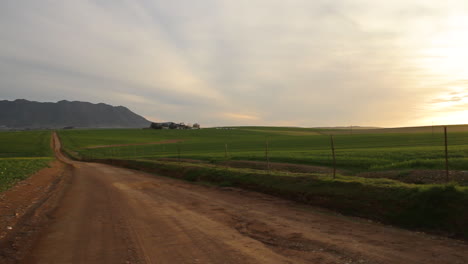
22	154
354	152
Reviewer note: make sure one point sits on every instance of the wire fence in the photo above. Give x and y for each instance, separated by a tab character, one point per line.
358	153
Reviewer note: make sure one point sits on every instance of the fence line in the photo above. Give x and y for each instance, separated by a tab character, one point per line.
434	160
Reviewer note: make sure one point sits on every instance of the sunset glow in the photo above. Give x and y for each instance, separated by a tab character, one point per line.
303	63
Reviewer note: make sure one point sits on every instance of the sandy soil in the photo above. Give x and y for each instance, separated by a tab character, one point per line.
115	215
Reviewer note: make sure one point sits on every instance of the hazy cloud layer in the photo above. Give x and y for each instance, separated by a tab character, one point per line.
223	62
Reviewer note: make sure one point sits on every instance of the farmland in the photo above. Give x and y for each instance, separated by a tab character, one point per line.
354	152
205	160
22	154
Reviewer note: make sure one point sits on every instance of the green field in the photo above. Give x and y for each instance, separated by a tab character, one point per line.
21	154
354	152
25	144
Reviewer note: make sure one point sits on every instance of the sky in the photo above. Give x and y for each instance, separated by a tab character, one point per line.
245	62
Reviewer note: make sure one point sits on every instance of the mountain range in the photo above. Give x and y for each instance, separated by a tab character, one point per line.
29	114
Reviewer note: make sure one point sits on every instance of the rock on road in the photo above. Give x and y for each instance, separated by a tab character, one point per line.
114	215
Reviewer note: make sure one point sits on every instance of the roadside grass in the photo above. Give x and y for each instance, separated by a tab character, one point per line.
22	153
429	207
13	170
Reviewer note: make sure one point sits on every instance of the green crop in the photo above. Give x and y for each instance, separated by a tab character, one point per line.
356	152
25	144
22	153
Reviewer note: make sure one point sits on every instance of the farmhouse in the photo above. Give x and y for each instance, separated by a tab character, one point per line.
172	125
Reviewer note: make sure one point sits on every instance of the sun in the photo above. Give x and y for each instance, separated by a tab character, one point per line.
448	107
444	54
444	59
450	118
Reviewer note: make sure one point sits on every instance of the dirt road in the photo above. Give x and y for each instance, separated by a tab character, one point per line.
115	215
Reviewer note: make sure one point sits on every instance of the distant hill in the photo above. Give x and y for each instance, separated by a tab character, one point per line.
28	114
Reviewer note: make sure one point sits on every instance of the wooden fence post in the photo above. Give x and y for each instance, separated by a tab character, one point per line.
266	155
446	156
225	151
333	155
178	153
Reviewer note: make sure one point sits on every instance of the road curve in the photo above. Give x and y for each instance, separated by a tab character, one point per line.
115	215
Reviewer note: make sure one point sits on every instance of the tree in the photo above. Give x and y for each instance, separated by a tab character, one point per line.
156	126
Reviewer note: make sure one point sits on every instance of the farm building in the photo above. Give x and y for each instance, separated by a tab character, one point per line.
172	125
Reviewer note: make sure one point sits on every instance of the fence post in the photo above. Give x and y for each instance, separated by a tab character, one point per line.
432	128
446	156
225	151
333	155
178	153
266	155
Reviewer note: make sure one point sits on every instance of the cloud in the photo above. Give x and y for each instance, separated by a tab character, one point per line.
240	116
452	99
308	63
